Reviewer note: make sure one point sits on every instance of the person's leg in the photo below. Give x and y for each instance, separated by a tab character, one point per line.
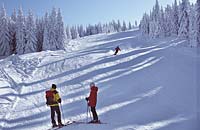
58	114
94	113
53	115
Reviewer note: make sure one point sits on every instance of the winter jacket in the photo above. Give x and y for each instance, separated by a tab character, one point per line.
93	96
56	99
117	49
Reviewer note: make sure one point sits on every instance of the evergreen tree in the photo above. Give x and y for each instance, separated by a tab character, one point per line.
81	31
129	26
124	26
156	11
39	33
119	26
114	25
68	33
74	32
60	32
136	23
192	26
99	28
12	30
145	24
4	34
20	32
46	45
175	19
52	30
168	26
184	19
198	23
163	23
154	24
31	41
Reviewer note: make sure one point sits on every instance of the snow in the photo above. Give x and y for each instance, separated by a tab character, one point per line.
149	85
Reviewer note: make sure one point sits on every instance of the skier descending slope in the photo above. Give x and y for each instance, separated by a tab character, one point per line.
92	101
53	99
117	49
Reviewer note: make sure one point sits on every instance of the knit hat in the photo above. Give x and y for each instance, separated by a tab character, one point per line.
53	86
92	84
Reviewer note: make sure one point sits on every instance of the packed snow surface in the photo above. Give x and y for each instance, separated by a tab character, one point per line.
149	85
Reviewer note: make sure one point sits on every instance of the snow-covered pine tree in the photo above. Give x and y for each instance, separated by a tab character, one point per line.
46	38
163	23
129	26
81	31
168	26
12	30
119	28
198	23
136	24
144	24
52	30
184	19
112	29
99	28
192	26
68	33
88	30
74	32
115	25
60	32
175	19
156	12
104	28
124	26
4	34
93	30
20	32
154	25
31	40
39	33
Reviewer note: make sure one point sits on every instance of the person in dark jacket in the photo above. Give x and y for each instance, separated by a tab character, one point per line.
117	49
92	101
53	101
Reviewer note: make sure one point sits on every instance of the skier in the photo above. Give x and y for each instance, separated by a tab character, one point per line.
53	98
92	101
116	50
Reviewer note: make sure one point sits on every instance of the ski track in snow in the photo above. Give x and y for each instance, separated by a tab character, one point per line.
29	77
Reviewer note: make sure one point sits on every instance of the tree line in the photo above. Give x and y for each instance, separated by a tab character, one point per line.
20	34
182	20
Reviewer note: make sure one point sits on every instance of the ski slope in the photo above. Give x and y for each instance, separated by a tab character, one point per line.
149	85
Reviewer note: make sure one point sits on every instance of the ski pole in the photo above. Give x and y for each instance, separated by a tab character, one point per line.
62	112
90	114
87	112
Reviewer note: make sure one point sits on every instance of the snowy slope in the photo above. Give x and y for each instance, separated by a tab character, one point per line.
150	85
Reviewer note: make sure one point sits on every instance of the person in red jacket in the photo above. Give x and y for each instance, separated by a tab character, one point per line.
92	101
117	49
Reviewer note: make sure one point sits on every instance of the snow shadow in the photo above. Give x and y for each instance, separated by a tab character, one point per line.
154	125
118	105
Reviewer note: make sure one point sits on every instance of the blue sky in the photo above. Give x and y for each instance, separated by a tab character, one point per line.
88	11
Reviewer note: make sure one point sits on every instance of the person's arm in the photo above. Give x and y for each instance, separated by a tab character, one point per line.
58	99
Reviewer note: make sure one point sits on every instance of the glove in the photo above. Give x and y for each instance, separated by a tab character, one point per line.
86	98
59	100
47	103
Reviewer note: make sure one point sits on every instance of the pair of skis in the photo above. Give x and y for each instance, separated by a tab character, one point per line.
75	122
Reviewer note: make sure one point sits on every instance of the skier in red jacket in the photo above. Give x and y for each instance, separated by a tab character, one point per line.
92	101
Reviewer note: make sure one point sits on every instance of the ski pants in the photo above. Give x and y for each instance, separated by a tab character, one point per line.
116	52
94	113
57	110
